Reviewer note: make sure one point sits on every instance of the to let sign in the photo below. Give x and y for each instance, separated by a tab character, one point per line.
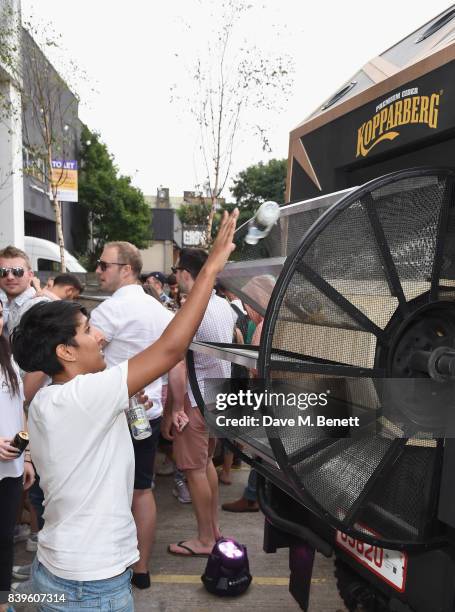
64	180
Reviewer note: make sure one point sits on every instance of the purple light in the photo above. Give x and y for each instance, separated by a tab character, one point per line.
230	550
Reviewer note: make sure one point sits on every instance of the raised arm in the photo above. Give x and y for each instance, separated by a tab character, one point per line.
166	352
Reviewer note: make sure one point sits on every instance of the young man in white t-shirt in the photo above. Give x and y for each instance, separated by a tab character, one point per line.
80	442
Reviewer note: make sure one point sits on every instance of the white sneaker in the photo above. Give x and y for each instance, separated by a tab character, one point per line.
22	572
25	587
21	533
32	543
163	465
181	492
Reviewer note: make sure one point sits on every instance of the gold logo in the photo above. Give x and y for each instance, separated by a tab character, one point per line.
416	109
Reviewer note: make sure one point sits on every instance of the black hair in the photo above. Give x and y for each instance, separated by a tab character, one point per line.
6	366
192	260
69	279
41	330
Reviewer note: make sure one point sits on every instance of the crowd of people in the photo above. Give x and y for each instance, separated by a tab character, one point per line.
90	483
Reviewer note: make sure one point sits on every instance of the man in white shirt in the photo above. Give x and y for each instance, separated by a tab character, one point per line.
131	320
80	442
193	449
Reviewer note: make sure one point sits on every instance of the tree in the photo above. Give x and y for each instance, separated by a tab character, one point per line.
232	79
193	214
116	209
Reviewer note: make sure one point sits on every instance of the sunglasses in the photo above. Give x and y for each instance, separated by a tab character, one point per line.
17	272
104	265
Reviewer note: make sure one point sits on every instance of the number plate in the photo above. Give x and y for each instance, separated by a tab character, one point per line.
390	565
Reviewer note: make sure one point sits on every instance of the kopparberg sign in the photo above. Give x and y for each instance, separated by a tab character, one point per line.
401	108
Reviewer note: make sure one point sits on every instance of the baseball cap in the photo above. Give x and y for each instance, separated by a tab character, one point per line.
159	276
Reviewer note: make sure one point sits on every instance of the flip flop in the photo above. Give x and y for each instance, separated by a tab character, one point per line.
192	553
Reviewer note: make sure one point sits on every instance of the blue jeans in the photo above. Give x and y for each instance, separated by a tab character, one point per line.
109	595
250	490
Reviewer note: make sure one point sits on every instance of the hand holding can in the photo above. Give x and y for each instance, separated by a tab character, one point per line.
137	419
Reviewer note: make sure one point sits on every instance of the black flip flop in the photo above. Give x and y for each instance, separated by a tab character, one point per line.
190	550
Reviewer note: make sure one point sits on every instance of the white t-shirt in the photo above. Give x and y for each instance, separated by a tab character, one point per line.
11	421
131	321
216	326
82	449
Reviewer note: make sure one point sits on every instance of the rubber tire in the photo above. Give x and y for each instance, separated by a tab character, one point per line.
356	593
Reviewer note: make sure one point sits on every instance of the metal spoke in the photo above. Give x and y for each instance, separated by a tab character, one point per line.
382	469
337	298
390	270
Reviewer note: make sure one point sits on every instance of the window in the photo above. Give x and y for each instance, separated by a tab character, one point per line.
48	265
34	165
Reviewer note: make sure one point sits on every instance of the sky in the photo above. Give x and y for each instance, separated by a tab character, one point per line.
136	55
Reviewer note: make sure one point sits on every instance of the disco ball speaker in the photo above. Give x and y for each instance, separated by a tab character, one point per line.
227	573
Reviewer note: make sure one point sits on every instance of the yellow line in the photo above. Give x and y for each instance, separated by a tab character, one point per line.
191	579
270	581
176	579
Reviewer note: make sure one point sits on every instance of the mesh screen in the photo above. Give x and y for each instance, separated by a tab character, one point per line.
409	220
337	475
448	260
401	505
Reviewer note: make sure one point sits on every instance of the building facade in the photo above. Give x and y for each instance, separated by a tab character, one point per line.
11	183
25	205
168	234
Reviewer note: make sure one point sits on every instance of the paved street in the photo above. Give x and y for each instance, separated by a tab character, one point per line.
176	581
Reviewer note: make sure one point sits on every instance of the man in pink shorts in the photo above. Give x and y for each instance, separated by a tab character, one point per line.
193	449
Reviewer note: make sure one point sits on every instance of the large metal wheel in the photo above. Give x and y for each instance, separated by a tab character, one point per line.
370	285
357	291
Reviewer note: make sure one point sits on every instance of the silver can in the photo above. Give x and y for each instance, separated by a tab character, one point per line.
137	420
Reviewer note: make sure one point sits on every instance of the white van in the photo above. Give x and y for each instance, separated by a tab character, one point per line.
45	256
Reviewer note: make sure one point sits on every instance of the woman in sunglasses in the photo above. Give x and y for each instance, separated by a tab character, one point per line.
16	472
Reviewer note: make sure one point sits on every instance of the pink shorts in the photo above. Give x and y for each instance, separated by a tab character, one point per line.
192	447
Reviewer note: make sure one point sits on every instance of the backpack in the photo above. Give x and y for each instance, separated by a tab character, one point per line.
239	371
242	320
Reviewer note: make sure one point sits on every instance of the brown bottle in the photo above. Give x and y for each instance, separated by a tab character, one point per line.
20	441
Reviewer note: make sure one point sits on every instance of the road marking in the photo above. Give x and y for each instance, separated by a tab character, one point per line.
196	579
